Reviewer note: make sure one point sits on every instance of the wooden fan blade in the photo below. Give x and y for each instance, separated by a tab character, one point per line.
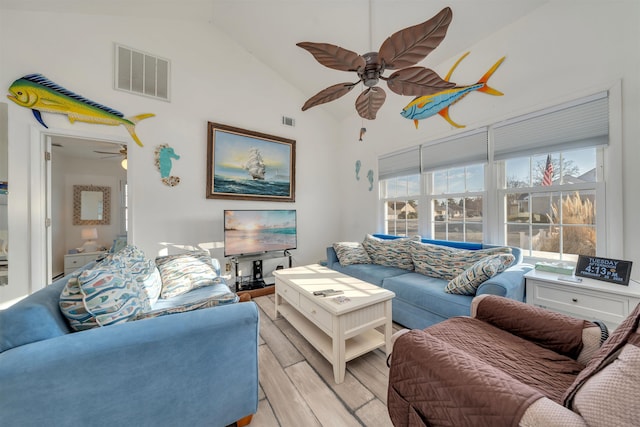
370	101
417	81
409	46
334	56
329	94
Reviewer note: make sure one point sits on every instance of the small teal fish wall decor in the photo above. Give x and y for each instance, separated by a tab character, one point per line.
370	178
358	165
163	155
426	106
39	94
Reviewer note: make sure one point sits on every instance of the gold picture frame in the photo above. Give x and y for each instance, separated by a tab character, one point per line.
248	165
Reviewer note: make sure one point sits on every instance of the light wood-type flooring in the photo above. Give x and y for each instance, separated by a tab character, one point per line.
297	387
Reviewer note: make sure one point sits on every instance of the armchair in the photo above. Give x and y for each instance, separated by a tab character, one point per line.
515	364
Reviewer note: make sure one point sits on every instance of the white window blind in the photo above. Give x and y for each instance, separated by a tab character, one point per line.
399	163
458	150
578	124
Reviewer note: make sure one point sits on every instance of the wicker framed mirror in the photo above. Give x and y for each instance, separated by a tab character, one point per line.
91	205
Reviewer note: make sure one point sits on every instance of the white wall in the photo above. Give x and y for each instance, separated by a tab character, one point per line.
212	80
561	51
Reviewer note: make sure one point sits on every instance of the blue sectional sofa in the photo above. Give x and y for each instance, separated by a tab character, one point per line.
420	300
193	368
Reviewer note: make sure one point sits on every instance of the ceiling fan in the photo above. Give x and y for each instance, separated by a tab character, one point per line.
401	51
122	152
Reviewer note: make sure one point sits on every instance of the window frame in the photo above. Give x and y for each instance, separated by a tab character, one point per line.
430	196
609	198
598	187
403	199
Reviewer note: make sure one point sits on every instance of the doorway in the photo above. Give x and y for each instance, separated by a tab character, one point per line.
74	160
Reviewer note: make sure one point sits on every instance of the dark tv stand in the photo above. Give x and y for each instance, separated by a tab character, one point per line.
257	286
251	285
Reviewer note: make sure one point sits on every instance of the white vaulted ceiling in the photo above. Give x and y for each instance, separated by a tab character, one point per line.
270	29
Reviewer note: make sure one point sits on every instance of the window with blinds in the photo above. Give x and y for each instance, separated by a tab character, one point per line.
535	181
460	150
577	124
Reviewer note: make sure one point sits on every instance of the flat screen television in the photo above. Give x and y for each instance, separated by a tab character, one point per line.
250	232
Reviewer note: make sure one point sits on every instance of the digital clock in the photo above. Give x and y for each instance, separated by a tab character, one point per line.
607	269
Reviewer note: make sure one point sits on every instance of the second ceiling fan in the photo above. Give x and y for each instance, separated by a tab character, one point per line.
401	51
122	152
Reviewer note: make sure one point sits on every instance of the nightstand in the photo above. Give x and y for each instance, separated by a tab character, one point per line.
72	262
589	299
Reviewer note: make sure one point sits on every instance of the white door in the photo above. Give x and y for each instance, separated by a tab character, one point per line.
47	221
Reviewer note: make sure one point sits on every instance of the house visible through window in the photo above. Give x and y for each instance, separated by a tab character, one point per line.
401	205
557	218
457	200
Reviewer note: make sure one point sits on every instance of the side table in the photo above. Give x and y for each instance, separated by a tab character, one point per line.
588	299
72	262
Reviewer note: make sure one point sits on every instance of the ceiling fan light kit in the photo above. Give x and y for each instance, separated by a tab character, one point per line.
401	51
121	153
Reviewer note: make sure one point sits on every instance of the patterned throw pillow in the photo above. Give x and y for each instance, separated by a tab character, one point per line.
73	308
184	272
131	260
112	297
351	253
131	252
152	285
468	281
101	297
392	253
444	262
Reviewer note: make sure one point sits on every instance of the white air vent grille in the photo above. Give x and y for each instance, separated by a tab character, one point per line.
141	73
288	121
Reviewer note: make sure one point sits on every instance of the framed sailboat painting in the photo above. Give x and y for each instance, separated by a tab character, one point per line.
248	165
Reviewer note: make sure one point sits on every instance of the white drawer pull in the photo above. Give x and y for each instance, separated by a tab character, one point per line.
313	312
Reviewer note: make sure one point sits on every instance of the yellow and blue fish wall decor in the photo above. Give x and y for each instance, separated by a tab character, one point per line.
38	93
426	106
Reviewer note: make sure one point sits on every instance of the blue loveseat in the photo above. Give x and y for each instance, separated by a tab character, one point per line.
194	368
420	300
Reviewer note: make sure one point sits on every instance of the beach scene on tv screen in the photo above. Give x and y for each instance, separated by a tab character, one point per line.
249	232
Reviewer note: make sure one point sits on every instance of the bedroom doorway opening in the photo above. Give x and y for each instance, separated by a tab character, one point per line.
69	165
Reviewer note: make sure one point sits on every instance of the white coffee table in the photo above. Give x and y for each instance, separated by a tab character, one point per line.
340	332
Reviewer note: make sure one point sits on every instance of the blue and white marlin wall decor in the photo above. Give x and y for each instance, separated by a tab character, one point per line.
426	106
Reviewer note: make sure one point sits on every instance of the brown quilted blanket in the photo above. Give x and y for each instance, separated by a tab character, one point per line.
545	370
555	331
464	372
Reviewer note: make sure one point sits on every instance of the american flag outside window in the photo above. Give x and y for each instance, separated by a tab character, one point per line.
547	179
